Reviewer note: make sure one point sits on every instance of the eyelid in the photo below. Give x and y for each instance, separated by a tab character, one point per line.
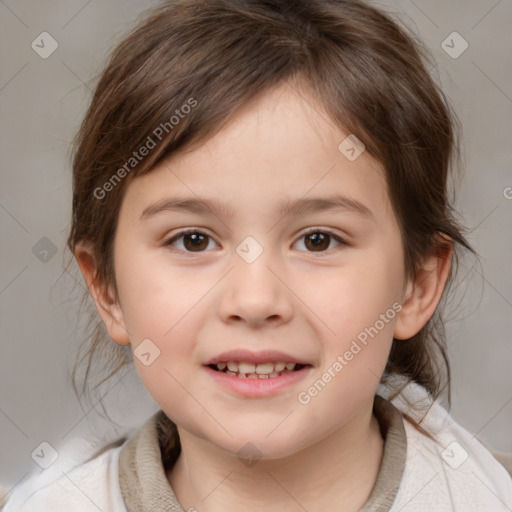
317	229
168	241
320	229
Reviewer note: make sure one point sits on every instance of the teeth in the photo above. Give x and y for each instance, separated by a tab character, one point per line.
279	367
246	367
232	366
252	371
264	368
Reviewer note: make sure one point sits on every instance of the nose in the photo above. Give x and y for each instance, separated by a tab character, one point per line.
256	294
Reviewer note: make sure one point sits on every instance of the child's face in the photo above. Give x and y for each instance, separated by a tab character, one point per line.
308	297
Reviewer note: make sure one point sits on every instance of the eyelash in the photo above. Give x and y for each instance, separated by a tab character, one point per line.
331	234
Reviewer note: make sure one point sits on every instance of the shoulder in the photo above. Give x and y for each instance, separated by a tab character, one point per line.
90	486
452	472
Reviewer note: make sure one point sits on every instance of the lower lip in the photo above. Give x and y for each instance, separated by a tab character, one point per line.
254	388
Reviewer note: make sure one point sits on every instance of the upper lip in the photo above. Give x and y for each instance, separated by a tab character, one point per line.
263	356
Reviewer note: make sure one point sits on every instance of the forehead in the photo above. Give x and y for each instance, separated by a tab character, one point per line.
279	148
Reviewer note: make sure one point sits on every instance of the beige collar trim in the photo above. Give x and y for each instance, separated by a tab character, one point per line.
143	480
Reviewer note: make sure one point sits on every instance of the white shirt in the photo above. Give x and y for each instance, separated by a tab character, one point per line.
458	474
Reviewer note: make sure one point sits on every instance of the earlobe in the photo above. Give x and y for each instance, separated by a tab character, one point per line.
104	298
424	292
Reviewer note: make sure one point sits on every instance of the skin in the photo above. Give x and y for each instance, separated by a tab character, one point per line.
306	302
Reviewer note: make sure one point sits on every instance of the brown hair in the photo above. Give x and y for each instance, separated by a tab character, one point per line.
368	73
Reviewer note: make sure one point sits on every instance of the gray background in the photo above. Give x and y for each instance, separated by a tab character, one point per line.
41	104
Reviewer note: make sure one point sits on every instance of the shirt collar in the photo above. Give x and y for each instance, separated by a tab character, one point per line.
143	473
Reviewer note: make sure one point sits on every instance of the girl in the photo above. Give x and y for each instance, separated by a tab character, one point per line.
260	214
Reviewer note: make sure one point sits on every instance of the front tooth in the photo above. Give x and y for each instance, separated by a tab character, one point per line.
290	366
246	368
279	367
264	368
232	366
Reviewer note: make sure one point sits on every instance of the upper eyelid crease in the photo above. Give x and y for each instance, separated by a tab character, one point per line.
296	207
340	239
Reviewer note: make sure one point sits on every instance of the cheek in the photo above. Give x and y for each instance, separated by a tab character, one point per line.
157	296
358	307
174	341
162	312
350	299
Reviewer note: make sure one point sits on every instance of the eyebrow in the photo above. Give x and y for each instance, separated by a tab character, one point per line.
299	206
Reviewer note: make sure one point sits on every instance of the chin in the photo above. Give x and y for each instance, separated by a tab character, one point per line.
257	444
259	437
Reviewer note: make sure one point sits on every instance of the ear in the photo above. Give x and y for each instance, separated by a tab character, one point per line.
106	302
424	292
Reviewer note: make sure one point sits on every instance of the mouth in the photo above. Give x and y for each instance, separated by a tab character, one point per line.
259	374
247	370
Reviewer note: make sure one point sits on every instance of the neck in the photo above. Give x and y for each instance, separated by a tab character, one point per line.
342	468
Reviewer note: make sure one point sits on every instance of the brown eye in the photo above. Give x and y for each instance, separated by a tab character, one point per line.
320	241
195	241
190	241
317	241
